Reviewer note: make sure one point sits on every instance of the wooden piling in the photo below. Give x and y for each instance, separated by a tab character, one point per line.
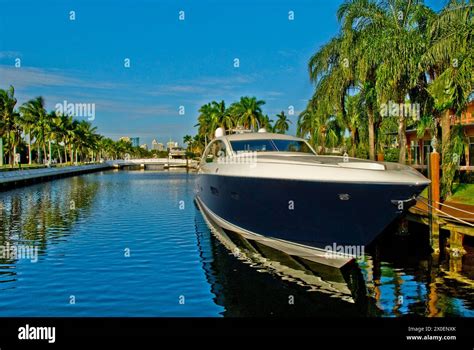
434	171
434	200
456	243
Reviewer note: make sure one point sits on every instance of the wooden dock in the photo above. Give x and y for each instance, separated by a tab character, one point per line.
456	218
452	209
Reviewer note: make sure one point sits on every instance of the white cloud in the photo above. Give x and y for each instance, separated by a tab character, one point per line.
25	77
9	54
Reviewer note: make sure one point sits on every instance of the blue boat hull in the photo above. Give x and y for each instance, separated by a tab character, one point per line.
315	214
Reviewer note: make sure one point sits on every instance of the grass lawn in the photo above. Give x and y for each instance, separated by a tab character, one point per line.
34	166
7	167
424	194
463	193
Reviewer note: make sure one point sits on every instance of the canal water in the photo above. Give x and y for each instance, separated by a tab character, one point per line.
132	243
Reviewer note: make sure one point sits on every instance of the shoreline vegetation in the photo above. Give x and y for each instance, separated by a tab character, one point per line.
42	138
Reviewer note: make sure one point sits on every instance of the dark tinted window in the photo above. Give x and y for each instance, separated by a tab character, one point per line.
270	146
253	145
292	146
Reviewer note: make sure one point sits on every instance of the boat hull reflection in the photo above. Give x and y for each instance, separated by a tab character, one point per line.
249	278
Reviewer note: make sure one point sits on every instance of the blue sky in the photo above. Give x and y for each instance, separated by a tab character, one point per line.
173	63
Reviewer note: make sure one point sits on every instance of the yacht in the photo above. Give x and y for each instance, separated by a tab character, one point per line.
275	189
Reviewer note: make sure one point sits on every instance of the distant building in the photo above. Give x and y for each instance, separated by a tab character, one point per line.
177	152
144	146
157	146
135	141
171	144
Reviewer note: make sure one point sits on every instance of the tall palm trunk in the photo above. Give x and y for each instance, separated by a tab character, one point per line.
1	151
402	139
29	147
10	156
44	151
65	152
371	122
49	152
445	128
58	149
445	136
14	154
353	139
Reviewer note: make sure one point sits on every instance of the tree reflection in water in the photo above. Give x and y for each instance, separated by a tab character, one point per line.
41	216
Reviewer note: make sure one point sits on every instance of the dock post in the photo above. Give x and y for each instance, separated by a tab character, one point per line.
456	250
434	200
456	247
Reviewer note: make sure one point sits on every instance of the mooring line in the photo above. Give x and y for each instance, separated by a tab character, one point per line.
446	214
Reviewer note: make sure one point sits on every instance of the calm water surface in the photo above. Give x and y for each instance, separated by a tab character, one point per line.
132	243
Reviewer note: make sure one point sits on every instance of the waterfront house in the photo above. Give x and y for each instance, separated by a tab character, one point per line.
418	148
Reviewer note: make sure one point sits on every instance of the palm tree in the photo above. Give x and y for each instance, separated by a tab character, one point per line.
61	125
267	123
351	120
85	140
332	70
198	143
27	122
188	139
320	125
105	148
248	112
449	62
207	121
36	113
282	124
392	32
8	119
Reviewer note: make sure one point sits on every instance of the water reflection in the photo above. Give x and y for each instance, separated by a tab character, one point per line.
398	276
404	278
82	225
250	279
41	216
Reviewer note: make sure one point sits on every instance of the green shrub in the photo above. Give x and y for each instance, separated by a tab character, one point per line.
362	151
391	154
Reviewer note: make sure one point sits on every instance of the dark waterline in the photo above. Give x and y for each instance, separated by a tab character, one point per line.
132	243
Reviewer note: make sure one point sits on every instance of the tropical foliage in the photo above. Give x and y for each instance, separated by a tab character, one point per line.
49	137
398	52
247	113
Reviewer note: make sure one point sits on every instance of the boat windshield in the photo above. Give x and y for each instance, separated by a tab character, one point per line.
271	145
